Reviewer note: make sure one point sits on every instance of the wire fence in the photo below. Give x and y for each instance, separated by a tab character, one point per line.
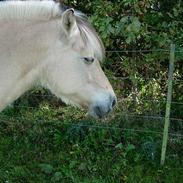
139	51
142	51
102	127
127	114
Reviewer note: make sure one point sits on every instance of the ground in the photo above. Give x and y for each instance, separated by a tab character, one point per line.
59	144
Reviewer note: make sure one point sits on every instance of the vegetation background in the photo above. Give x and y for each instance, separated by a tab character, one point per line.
41	140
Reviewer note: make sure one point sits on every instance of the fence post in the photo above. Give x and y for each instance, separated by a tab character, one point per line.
168	103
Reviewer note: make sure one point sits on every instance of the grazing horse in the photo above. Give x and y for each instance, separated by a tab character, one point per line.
42	43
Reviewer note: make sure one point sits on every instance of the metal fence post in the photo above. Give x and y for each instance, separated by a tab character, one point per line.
168	103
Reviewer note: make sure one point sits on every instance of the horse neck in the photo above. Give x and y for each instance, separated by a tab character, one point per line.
23	55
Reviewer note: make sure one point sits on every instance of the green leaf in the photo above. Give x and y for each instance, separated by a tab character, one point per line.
130	147
119	146
135	26
57	177
46	168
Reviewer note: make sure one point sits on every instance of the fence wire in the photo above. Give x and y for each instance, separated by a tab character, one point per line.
143	51
106	127
122	112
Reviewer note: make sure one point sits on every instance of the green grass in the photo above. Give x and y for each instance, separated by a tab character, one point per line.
53	144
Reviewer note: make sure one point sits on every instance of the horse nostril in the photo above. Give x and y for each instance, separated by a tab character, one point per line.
113	102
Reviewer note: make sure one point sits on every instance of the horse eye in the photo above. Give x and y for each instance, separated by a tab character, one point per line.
88	60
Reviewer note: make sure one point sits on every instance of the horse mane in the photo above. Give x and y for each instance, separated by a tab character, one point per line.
46	10
28	10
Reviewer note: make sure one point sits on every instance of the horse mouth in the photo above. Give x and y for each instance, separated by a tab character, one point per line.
99	112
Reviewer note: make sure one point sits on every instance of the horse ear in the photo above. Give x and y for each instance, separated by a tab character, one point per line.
68	20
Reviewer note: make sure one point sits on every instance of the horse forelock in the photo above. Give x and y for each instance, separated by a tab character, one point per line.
90	37
28	10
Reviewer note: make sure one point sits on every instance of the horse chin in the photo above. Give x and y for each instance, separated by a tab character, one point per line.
93	111
93	114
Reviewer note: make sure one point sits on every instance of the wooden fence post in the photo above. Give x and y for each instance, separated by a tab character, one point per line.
168	103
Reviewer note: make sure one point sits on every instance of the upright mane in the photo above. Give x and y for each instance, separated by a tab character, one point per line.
90	37
29	10
46	10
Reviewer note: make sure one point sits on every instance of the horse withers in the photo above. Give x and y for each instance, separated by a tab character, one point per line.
42	43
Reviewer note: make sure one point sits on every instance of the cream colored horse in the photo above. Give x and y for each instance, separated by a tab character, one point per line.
42	43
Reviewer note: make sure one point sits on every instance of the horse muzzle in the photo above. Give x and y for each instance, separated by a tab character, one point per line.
103	107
